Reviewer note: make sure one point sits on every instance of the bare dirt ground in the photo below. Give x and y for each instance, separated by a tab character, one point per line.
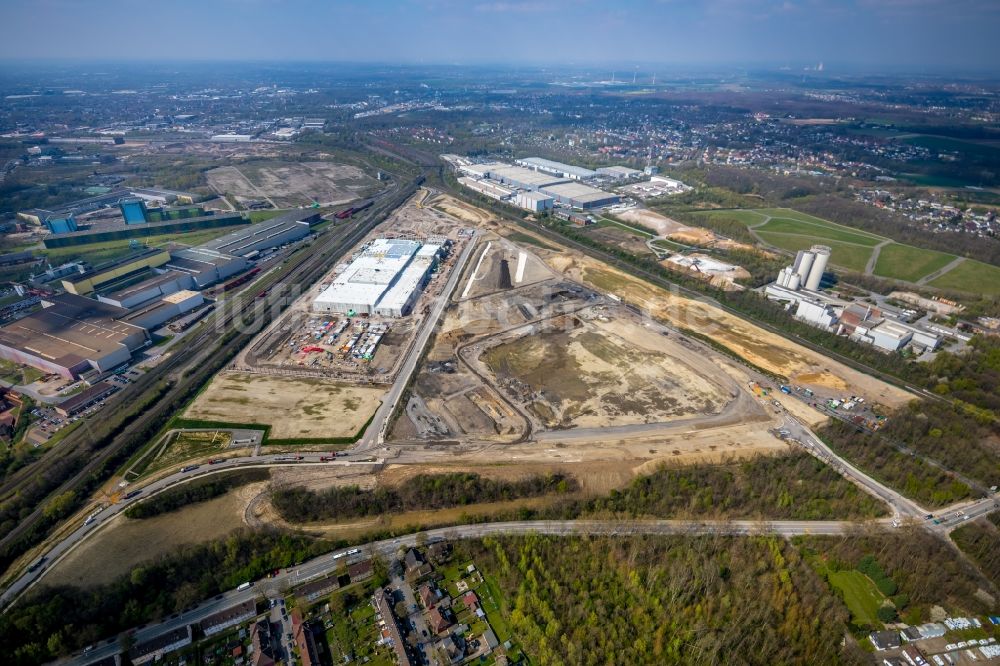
290	184
682	233
762	348
125	543
293	407
459	209
597	371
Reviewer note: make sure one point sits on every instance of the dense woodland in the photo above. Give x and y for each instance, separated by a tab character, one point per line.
200	490
55	621
667	600
980	540
922	566
788	487
424	491
911	475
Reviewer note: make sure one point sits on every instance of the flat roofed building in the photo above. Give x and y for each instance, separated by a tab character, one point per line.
158	313
90	281
157	286
527	179
264	235
487	188
206	267
482	170
579	195
536	202
556	168
619	172
368	277
70	336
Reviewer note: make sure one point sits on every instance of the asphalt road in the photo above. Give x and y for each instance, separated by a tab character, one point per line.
325	564
375	434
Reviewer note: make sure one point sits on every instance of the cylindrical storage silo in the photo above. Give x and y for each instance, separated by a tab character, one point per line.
794	282
822	253
803	264
782	277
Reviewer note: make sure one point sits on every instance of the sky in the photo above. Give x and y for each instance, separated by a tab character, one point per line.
917	35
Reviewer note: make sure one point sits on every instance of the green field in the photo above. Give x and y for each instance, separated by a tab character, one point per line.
846	255
818	231
971	276
905	262
97	253
747	217
861	596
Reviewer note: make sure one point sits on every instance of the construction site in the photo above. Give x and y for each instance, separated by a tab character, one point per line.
357	323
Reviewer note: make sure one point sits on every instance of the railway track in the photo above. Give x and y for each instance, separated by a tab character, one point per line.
179	376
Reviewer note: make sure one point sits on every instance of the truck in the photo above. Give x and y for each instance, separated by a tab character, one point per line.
134	493
244	586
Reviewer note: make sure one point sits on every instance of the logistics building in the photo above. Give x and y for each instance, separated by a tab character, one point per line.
619	172
579	195
385	278
526	179
536	202
556	168
72	335
487	188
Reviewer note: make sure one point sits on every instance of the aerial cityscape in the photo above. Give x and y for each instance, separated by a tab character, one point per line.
427	333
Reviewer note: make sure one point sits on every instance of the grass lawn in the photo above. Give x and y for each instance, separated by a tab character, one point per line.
184	446
747	217
905	262
972	276
853	257
97	253
18	374
860	595
265	215
818	232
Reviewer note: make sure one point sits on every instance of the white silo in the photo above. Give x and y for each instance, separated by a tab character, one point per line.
822	253
803	263
794	282
782	277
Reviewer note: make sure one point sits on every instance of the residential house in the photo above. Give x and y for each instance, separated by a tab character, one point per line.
318	588
471	601
413	560
305	640
359	571
913	656
155	648
265	649
428	597
229	617
439	620
884	640
384	606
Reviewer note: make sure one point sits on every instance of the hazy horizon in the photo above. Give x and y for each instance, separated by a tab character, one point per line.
871	35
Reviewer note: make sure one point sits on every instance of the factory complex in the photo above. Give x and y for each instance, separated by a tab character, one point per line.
72	335
385	278
883	327
109	310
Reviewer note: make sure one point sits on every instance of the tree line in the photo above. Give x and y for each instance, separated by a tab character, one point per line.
424	491
200	490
